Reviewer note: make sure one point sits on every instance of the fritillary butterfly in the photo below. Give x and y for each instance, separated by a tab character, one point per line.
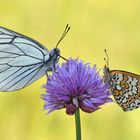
124	86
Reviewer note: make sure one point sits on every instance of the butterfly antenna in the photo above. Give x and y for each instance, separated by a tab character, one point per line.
107	58
67	28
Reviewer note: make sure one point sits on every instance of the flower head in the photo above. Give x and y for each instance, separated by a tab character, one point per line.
75	85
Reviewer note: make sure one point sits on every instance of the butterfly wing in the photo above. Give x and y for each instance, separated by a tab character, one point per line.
22	60
125	87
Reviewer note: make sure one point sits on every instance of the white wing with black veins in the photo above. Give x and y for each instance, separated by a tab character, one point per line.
21	60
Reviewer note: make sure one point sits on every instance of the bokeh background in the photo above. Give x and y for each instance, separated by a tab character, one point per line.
95	25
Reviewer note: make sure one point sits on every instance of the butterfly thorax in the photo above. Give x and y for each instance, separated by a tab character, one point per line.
107	78
53	59
106	75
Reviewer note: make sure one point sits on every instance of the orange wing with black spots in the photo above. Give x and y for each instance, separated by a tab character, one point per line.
125	87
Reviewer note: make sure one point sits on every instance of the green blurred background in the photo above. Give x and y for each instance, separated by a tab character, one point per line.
96	25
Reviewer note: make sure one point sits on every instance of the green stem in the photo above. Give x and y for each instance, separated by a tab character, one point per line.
78	124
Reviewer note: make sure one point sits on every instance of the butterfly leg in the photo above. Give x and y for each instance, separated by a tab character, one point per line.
48	79
54	68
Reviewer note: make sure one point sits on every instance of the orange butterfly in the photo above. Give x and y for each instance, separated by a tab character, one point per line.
124	86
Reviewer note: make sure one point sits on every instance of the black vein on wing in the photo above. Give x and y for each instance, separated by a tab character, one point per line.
30	45
16	75
27	54
15	34
11	53
20	80
4	69
11	74
7	57
34	75
18	35
24	54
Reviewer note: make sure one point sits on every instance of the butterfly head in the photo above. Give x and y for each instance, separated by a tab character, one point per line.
55	55
55	52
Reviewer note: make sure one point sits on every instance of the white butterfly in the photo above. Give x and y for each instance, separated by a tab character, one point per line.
24	60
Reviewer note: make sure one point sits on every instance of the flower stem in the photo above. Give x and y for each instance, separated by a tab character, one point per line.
78	124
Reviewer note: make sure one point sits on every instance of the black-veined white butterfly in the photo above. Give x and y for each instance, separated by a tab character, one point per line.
23	60
124	86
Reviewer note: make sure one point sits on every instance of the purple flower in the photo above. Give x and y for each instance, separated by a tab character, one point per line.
75	85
